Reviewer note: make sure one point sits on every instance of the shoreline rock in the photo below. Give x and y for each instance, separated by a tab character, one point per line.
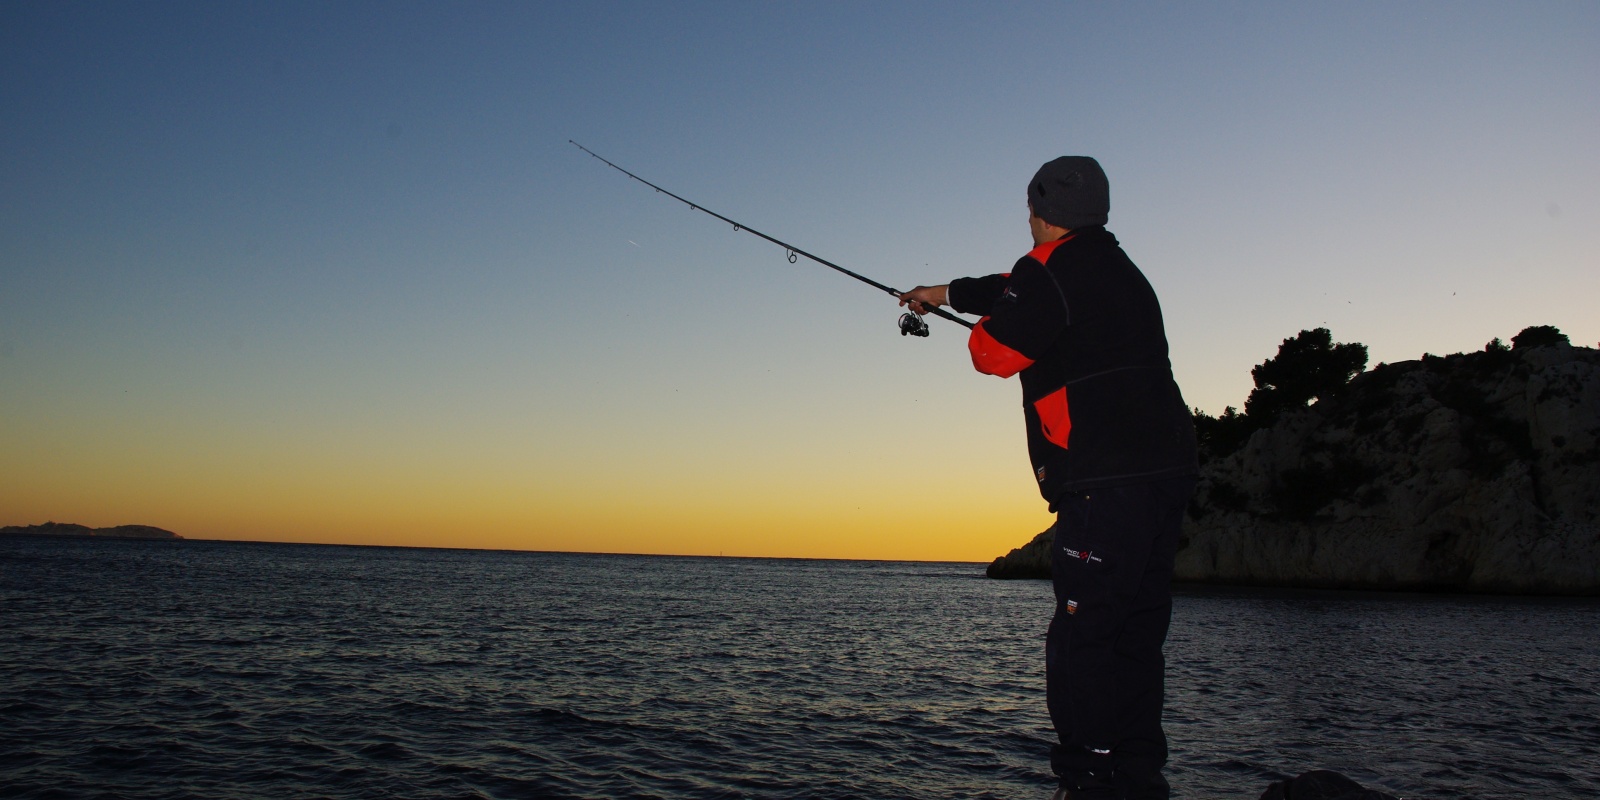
71	529
1028	562
1475	472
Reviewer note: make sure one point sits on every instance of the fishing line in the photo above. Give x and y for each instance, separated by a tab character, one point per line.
910	324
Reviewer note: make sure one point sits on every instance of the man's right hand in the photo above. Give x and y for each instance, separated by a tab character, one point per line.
922	298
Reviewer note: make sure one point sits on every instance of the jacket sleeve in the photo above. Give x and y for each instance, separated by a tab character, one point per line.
1022	323
977	295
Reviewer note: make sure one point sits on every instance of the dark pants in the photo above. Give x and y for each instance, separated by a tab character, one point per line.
1112	569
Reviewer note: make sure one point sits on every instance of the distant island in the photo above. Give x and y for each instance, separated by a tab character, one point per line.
69	529
1473	472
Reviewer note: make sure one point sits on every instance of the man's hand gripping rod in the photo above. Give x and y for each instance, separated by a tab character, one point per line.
913	325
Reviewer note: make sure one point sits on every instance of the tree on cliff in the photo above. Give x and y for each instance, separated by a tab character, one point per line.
1538	336
1309	366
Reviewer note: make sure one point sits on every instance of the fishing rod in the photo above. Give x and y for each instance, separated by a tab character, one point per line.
910	323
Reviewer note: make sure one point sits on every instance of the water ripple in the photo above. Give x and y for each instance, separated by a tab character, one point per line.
219	670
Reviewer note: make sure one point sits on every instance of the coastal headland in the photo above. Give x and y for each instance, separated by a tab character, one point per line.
70	529
1474	472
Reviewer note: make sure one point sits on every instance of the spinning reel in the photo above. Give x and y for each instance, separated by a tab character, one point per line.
913	324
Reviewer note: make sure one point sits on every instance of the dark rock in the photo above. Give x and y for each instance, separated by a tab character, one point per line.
51	529
1474	472
1031	560
1322	785
136	532
70	529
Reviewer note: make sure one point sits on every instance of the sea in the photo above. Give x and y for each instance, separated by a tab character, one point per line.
202	669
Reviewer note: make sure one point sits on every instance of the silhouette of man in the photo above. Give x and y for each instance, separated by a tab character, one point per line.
1113	451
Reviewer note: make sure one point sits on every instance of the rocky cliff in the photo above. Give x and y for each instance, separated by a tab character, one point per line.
70	529
1472	472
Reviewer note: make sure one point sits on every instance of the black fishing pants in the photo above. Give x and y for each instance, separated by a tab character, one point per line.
1112	568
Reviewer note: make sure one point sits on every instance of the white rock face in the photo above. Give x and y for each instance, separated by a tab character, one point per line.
1476	472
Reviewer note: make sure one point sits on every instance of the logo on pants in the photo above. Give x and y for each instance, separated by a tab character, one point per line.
1086	556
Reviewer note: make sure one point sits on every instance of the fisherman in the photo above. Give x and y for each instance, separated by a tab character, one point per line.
1113	450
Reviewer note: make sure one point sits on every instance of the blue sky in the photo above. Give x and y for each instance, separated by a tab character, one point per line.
316	270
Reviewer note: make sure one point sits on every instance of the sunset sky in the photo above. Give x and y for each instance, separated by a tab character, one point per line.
330	272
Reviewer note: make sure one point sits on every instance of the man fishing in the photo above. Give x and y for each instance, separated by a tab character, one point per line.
1113	450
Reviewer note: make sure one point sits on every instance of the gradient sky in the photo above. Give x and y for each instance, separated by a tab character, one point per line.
330	272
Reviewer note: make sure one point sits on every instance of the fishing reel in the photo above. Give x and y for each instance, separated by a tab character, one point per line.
913	325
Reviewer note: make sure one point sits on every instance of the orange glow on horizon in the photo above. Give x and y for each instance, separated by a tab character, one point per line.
847	495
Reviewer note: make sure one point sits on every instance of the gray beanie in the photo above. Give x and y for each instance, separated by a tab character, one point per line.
1070	192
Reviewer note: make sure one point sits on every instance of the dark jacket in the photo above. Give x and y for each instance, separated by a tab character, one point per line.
1081	324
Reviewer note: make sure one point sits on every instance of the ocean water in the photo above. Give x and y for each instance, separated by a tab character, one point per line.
134	669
